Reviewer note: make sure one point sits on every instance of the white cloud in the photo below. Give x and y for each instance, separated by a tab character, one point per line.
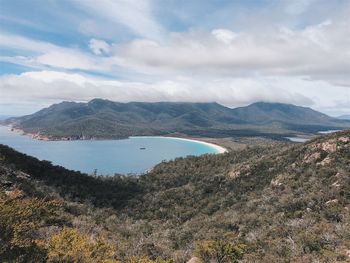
99	47
224	35
290	51
133	14
52	76
16	42
41	54
77	87
67	59
49	87
320	51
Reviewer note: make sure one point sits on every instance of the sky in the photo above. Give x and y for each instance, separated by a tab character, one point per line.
231	52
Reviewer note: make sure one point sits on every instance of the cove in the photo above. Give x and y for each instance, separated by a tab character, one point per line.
107	157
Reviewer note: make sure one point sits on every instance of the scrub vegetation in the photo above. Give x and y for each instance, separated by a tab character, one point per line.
277	203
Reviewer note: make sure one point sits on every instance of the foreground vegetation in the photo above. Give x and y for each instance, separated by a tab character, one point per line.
278	203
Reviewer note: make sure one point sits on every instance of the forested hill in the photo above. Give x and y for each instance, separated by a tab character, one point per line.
106	119
277	203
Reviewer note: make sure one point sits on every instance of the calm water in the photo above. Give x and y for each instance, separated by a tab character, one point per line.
107	156
300	139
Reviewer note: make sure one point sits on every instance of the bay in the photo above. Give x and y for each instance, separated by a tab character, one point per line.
107	157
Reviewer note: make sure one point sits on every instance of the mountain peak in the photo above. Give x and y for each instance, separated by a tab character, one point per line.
98	100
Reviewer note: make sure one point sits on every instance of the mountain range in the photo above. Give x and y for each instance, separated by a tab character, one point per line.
100	118
344	117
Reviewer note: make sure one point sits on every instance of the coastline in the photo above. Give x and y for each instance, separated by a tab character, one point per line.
41	137
34	136
218	148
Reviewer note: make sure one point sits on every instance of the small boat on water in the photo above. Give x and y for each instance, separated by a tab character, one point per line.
142	148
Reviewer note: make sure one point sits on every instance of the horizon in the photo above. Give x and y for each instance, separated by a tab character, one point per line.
234	53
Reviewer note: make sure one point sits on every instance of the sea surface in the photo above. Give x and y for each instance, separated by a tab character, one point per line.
106	156
301	139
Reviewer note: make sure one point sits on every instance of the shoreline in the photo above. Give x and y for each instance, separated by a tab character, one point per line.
218	148
34	136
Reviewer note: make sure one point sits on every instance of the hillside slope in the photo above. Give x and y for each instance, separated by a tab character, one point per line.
344	117
268	204
106	119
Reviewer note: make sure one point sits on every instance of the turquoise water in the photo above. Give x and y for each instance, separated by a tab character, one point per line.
107	156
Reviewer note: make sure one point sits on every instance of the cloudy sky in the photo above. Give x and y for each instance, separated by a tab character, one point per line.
231	52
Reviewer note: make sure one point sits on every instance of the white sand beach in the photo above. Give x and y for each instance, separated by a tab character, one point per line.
219	149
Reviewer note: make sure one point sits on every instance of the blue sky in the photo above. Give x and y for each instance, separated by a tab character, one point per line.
232	52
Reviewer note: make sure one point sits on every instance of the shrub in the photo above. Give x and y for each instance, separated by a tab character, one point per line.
219	251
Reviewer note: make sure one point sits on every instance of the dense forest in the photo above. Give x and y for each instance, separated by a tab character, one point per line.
99	118
272	203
